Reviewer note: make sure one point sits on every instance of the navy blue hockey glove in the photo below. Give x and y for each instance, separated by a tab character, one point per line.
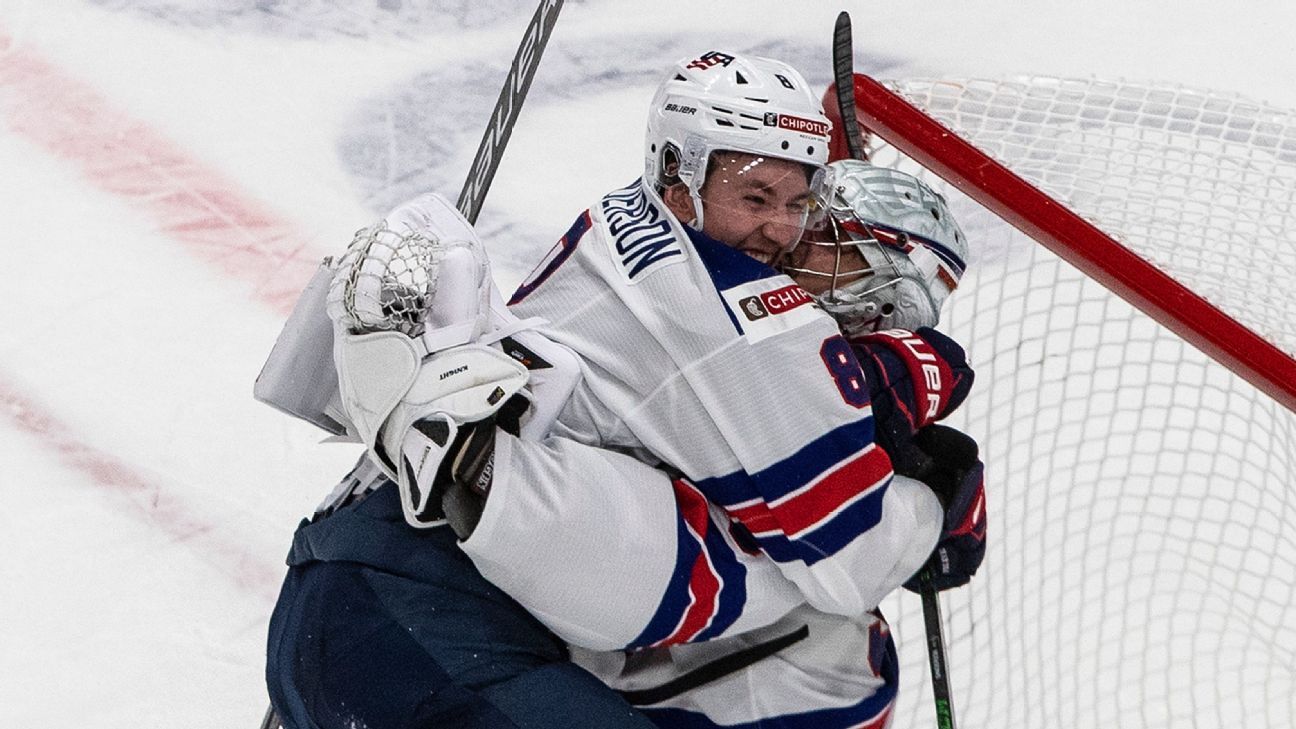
957	476
914	378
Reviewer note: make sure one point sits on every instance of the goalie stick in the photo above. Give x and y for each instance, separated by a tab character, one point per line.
507	107
496	136
844	80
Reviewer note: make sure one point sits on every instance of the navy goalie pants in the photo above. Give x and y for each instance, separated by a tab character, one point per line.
385	626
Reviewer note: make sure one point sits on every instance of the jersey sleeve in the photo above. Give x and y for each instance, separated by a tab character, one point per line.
790	406
610	553
713	363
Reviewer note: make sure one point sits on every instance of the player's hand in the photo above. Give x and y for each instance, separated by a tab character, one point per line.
914	378
956	475
919	376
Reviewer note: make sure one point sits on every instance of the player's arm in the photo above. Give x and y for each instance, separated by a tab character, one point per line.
814	491
917	378
611	553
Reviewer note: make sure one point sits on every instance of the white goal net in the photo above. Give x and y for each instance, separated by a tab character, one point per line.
1141	563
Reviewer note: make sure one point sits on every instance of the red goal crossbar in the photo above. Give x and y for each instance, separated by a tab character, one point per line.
1076	241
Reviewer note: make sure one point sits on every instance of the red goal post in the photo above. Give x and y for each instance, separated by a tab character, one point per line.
1051	223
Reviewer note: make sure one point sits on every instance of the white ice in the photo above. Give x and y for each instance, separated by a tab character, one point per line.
148	501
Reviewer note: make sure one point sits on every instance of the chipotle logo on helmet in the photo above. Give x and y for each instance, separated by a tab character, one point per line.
797	123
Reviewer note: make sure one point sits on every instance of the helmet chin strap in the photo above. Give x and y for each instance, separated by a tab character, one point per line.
696	222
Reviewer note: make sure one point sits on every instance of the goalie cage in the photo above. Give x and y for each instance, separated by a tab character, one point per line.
1141	564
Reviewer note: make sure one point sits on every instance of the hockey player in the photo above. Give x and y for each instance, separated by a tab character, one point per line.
808	665
810	494
696	353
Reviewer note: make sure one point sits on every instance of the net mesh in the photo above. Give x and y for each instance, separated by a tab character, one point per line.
1141	562
385	281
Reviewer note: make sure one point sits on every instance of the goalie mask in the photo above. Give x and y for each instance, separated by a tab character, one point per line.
888	254
719	116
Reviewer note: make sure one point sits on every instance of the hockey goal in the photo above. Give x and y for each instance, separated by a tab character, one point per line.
1141	456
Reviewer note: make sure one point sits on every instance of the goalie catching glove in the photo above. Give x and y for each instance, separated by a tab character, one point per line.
955	473
408	300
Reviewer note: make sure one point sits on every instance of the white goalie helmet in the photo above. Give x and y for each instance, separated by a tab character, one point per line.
729	102
913	252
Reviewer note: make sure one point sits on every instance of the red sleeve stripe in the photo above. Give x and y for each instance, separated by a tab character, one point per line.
704	581
808	507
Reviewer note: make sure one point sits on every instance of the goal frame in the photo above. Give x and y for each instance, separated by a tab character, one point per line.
1075	240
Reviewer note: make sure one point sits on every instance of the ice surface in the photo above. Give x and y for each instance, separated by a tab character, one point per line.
172	170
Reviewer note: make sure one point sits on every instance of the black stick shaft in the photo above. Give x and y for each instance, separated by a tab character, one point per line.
507	108
936	656
844	80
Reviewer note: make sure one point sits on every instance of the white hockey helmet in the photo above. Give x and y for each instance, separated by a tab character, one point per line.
729	102
912	249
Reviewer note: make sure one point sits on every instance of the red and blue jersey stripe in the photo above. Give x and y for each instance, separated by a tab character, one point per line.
810	505
555	258
708	590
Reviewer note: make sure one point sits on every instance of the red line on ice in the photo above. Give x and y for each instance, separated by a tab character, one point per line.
150	499
189	201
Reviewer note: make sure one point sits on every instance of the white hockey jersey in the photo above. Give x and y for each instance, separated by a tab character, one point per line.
697	357
812	670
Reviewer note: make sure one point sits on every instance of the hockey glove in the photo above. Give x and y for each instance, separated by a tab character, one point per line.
915	378
403	303
956	475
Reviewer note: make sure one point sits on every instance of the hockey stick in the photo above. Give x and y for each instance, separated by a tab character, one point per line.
497	134
844	79
506	109
271	719
936	653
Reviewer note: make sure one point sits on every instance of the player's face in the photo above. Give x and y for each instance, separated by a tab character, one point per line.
822	265
755	204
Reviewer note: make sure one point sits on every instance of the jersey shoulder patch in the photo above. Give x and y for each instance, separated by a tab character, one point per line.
641	234
769	306
760	301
